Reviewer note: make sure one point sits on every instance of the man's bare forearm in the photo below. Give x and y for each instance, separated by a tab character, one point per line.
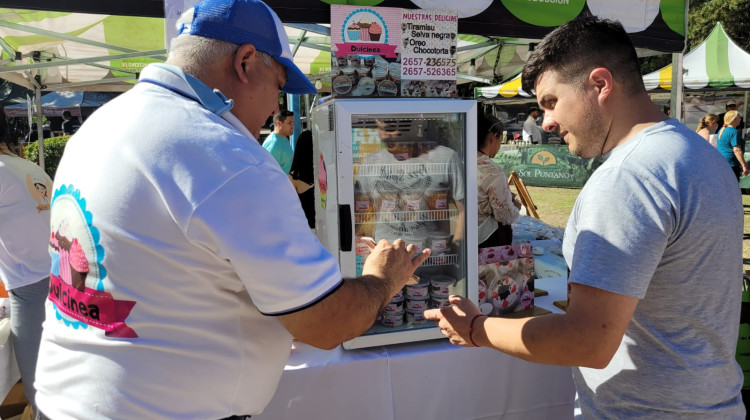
345	314
351	309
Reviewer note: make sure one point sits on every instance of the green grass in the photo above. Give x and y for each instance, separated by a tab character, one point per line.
554	206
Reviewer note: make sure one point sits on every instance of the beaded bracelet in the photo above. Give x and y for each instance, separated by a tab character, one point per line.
471	329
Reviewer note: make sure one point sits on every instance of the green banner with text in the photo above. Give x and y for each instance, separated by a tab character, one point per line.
745	180
546	165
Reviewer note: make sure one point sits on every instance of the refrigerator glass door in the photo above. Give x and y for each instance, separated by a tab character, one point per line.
409	181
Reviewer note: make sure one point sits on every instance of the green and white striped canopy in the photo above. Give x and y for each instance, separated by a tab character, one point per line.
508	89
77	51
717	63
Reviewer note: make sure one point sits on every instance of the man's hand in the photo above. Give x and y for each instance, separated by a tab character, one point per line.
352	308
455	320
394	262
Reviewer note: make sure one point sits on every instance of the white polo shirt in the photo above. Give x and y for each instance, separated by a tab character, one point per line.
25	193
176	236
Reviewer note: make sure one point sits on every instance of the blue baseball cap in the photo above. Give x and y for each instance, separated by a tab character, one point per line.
249	22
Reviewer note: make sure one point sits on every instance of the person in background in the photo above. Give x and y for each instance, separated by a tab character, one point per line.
731	145
69	125
24	253
531	131
183	265
707	125
731	106
302	175
497	205
646	232
277	143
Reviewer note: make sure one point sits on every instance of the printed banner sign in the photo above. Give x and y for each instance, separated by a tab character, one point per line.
428	59
372	47
745	180
547	165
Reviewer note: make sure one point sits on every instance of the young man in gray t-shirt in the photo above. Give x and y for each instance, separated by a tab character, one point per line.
654	246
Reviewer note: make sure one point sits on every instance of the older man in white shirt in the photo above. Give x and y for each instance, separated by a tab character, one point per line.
531	131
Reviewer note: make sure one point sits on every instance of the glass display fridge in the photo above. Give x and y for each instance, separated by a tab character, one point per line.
400	168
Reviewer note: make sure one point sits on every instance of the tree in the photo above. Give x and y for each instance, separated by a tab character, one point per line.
733	15
702	17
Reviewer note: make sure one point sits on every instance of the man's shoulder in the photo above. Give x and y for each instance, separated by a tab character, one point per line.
271	140
666	146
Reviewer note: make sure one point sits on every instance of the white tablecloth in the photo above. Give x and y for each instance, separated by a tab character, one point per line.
546	261
9	374
431	380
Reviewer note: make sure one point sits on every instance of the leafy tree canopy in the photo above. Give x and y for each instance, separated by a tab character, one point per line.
734	16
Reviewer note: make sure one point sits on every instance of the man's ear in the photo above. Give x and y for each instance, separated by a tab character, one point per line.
601	79
241	62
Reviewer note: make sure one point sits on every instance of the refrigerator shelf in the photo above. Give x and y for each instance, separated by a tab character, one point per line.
404	216
433	261
391	169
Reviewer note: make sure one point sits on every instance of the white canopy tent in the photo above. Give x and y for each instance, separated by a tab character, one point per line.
717	63
714	72
60	51
510	89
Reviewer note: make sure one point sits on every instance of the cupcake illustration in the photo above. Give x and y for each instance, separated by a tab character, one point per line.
63	248
364	27
352	31
375	31
79	265
68	258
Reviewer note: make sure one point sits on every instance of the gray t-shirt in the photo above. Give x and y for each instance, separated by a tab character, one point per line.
662	220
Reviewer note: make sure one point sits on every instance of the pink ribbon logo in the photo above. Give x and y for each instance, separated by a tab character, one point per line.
92	307
366	48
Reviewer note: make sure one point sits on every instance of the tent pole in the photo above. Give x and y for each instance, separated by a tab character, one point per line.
294	104
747	130
29	111
676	93
39	128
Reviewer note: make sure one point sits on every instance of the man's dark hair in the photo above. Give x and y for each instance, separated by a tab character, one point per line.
533	108
282	116
67	114
581	45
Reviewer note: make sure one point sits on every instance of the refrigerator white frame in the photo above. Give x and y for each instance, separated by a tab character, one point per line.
343	110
